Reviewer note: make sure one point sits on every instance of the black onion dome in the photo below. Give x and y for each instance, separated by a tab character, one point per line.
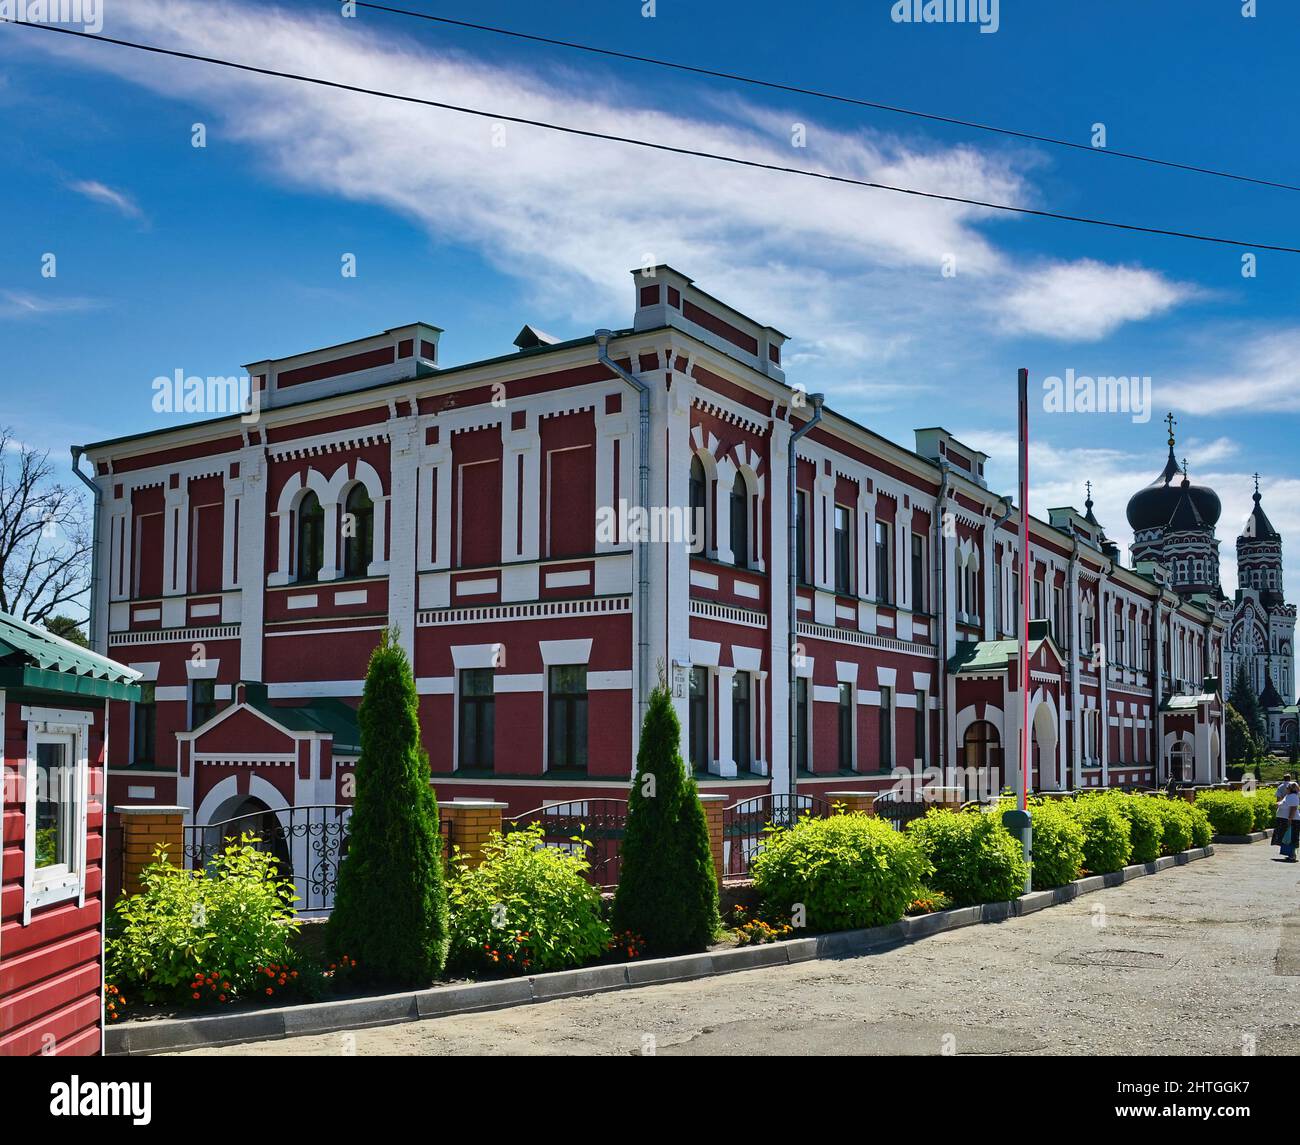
1151	508
1155	506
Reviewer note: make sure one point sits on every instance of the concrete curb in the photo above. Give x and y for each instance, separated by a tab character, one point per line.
1253	837
172	1034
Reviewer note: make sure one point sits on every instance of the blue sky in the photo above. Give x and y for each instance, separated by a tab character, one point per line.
172	257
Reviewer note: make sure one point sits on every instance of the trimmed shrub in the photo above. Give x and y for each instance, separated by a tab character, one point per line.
1202	830
1263	802
667	888
1058	844
1107	837
975	858
1175	825
390	909
525	908
1229	812
1146	826
848	871
228	923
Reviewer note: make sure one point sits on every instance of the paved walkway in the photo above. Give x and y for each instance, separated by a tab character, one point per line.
1201	959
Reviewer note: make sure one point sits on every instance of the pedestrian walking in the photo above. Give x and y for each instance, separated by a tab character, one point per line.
1287	823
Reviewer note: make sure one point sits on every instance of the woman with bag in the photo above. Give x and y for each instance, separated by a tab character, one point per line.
1287	823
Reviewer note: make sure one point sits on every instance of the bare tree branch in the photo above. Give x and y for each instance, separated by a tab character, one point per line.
45	535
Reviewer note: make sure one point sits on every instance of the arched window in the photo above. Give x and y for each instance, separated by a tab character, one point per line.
740	521
358	532
311	537
699	522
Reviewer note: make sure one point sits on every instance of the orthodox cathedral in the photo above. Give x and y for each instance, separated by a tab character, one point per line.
1173	526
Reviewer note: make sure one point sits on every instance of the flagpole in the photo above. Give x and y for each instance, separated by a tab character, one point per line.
1026	574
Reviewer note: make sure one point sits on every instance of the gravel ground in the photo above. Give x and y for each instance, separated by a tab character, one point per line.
1198	960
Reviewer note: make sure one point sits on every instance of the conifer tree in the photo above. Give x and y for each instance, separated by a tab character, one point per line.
667	889
1245	700
390	908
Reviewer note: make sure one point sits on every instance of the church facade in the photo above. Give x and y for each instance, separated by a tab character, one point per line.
1173	525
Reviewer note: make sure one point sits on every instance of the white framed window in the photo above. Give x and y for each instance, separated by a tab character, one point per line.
56	785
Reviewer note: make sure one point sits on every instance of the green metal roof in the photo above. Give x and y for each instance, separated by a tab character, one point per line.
32	657
327	715
982	655
1186	703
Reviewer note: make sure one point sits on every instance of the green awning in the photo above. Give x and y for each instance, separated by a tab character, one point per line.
33	658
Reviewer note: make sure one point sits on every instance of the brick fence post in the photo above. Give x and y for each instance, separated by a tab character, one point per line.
144	828
943	796
713	806
471	822
854	801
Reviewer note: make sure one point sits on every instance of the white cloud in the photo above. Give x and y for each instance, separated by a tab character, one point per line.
20	304
569	216
102	193
1086	300
1258	371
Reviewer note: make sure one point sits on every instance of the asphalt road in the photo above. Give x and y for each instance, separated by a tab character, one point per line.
1201	959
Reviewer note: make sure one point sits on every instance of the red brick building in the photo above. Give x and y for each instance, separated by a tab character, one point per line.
493	512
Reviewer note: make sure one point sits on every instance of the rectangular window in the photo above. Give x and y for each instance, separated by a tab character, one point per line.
886	729
741	750
1015	600
699	718
997	597
476	725
919	751
801	720
144	726
884	565
567	716
918	572
801	535
1038	613
203	702
844	713
843	550
54	841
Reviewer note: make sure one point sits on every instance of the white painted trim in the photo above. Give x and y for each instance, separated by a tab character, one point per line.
565	651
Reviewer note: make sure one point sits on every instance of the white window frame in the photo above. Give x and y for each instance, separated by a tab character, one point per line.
47	886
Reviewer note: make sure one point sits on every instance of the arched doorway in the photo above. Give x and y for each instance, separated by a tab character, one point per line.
1043	748
246	814
982	760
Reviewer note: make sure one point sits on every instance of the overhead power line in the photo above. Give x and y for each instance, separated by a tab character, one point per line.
835	97
633	141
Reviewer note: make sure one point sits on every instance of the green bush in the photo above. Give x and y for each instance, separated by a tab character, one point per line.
1058	844
1263	802
390	908
1175	825
1229	812
1107	837
848	871
525	908
232	921
1146	825
1202	830
667	888
975	858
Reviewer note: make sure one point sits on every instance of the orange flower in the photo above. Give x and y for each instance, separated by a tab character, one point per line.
196	993
269	990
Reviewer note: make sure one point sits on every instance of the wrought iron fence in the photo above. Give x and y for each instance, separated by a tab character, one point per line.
745	825
592	826
308	842
900	812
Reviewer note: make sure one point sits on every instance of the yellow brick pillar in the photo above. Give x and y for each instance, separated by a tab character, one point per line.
713	807
471	822
853	801
144	829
